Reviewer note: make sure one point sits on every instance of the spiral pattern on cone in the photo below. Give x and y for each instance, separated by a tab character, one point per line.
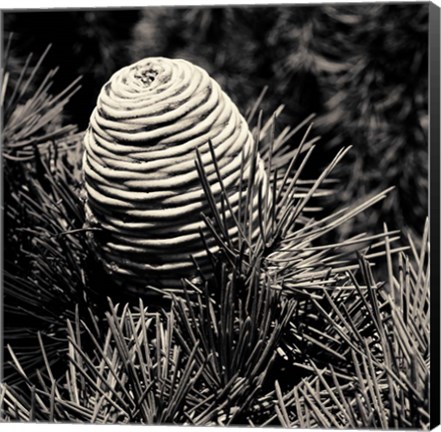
141	182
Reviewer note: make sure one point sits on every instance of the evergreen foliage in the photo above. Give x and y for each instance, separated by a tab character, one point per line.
297	327
361	68
368	351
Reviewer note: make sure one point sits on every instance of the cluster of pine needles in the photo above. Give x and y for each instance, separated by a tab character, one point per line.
286	329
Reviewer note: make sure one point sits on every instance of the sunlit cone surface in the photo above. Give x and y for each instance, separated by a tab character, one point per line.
142	185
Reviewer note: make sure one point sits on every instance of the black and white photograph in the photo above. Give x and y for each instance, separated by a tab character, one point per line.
221	215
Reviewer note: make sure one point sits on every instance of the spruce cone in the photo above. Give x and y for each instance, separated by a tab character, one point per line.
141	181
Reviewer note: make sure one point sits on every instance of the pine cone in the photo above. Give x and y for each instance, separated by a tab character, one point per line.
141	182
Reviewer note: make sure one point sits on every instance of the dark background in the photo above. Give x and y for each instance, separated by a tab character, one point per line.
362	69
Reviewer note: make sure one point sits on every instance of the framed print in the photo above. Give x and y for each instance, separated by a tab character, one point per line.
221	215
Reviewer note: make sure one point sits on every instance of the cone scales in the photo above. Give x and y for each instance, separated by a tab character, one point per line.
142	186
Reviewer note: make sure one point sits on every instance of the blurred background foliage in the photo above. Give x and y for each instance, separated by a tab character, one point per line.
361	68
